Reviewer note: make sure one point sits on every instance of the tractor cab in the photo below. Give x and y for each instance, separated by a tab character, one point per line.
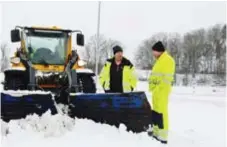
49	61
48	49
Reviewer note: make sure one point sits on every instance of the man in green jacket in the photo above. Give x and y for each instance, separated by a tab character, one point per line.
118	73
160	84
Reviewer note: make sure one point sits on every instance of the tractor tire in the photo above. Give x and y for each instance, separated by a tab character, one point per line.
86	82
86	85
15	80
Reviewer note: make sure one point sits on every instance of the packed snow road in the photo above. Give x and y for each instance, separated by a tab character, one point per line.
197	119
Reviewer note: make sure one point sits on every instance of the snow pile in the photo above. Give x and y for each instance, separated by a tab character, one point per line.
60	130
47	125
62	109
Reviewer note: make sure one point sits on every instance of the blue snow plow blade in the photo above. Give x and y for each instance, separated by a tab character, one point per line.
17	107
131	109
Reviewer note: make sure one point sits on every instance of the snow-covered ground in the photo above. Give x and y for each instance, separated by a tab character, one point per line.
196	115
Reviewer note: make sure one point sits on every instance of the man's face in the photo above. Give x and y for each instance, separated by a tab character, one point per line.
118	56
156	54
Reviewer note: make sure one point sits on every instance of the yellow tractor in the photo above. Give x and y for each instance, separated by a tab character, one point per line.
47	71
48	51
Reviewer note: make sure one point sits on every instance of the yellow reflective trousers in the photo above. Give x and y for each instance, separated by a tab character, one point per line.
160	84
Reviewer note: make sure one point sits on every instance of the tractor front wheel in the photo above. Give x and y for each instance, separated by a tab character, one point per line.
15	80
86	83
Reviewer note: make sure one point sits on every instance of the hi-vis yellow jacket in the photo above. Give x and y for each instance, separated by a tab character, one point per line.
162	74
160	81
128	77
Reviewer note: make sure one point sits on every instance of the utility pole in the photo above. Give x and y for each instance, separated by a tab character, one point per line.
97	44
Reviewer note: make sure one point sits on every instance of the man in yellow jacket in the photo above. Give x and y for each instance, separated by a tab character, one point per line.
117	75
160	84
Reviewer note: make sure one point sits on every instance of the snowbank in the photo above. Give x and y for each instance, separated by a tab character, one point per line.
60	130
47	125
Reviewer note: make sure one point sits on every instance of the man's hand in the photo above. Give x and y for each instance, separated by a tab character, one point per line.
132	88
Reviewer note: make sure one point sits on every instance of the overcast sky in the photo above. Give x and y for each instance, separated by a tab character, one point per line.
128	22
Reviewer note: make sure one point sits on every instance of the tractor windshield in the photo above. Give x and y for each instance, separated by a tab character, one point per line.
47	47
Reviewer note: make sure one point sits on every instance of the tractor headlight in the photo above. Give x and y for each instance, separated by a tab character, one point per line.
81	63
15	60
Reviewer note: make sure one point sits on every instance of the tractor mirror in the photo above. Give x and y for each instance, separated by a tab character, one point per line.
15	35
80	39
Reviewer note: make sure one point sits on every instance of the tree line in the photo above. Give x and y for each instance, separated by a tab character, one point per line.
198	51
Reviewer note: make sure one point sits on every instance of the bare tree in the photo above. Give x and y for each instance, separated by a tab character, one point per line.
193	46
217	40
217	43
174	47
104	52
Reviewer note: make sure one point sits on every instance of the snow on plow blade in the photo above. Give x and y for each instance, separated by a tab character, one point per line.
17	105
131	109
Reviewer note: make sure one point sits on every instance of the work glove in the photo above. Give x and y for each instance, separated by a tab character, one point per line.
107	91
132	88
